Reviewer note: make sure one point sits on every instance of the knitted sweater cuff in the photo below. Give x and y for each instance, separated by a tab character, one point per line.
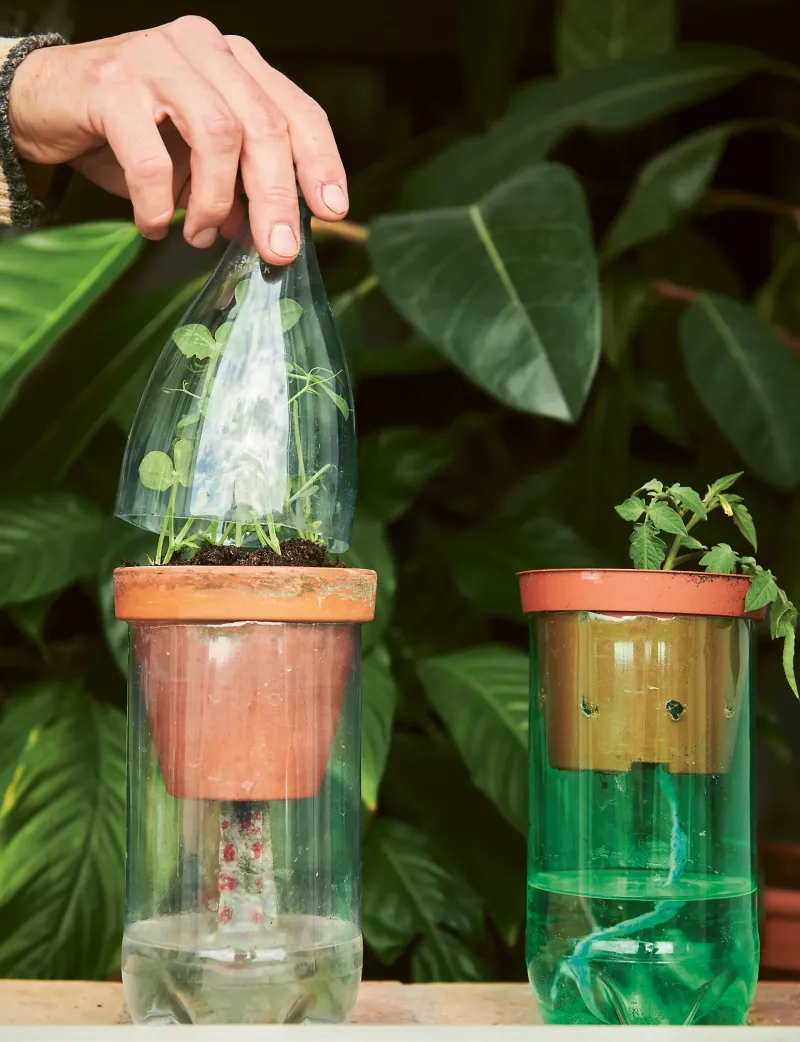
16	205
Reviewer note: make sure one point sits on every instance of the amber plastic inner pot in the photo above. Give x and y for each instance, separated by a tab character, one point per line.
639	667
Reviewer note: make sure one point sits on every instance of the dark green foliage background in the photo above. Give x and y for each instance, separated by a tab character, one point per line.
582	270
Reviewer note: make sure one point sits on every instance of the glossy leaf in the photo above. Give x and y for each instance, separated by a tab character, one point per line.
291	313
482	697
726	482
688	498
369	548
594	33
616	97
748	381
666	519
647	549
721	558
21	716
378	700
58	412
763	591
395	464
409	896
632	509
484	565
156	471
195	341
62	840
47	542
668	186
743	520
789	640
183	453
49	279
519	314
427	785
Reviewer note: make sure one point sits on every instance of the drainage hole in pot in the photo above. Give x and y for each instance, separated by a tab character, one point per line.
675	709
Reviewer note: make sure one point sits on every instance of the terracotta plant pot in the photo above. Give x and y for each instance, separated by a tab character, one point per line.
639	666
243	672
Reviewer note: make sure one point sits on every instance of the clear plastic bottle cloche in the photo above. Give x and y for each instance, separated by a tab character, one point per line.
245	434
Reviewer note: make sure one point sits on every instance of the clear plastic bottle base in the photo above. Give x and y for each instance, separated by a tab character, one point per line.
180	969
624	948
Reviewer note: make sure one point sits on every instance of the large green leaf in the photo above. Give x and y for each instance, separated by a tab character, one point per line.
507	289
21	716
369	548
667	187
62	839
378	697
395	463
749	381
48	279
427	785
485	561
593	33
47	542
482	697
59	411
616	97
409	896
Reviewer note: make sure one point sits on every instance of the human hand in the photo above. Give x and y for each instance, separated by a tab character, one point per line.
181	115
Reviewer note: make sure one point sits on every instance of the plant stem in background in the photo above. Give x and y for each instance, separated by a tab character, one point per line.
688	295
347	230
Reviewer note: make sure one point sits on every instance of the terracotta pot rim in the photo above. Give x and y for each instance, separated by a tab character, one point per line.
635	591
231	593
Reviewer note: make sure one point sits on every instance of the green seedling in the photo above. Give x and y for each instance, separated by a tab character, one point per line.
167	473
657	510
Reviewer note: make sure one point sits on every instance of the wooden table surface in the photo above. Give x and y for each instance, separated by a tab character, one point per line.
379	1002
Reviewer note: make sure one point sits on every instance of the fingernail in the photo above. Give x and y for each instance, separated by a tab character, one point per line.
205	238
334	197
282	241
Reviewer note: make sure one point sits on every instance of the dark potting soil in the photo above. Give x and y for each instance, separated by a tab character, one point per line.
294	553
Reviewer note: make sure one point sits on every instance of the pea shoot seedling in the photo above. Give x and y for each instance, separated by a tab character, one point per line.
164	472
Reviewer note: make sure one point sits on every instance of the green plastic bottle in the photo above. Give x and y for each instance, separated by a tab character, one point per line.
641	884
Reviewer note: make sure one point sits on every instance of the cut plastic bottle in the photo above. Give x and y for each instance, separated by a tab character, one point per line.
245	433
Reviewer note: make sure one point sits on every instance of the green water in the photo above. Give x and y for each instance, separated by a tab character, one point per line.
180	969
627	948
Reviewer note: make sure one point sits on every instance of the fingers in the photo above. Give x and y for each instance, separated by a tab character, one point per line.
266	162
185	106
212	132
316	157
134	138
